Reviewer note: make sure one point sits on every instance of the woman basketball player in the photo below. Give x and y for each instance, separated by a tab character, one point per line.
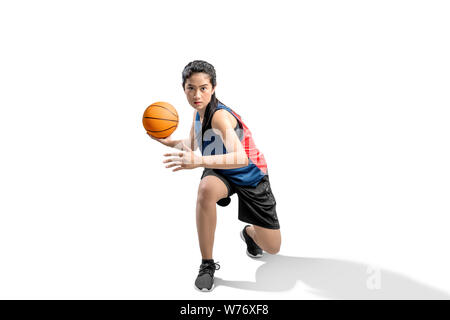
232	164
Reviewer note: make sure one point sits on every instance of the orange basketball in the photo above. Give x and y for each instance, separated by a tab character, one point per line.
160	119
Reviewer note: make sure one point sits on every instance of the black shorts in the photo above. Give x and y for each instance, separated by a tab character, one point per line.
256	204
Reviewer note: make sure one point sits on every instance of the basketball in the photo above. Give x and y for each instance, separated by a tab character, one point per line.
160	119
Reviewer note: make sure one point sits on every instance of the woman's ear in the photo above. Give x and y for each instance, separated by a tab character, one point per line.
214	89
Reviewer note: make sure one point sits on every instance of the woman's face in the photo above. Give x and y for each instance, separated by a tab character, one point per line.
198	90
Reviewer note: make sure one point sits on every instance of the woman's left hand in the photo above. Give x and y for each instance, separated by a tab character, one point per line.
186	159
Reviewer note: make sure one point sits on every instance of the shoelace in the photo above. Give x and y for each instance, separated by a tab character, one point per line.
209	268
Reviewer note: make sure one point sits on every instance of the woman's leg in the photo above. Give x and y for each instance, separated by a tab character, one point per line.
267	239
210	190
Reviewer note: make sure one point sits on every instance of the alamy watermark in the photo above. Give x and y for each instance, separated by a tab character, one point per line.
216	146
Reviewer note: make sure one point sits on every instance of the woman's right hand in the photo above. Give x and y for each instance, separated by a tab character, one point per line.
165	141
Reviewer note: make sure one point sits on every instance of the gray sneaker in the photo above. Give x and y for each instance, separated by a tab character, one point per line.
205	278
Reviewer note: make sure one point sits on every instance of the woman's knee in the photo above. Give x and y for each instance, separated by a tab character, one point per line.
270	239
274	249
203	194
210	190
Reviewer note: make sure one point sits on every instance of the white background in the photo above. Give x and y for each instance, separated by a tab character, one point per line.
348	101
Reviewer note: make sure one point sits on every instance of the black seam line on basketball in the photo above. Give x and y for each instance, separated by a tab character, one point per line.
157	105
162	130
161	119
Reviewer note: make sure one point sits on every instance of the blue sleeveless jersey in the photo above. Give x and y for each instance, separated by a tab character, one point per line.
212	144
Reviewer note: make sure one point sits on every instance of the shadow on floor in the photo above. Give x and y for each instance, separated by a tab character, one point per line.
333	279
